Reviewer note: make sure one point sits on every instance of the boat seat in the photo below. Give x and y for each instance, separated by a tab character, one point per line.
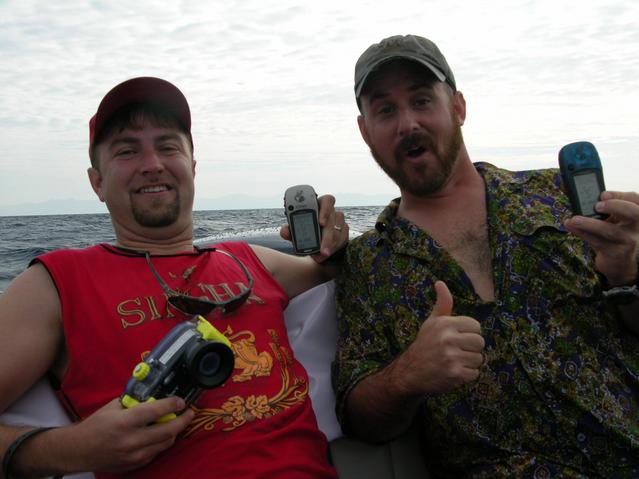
312	327
311	322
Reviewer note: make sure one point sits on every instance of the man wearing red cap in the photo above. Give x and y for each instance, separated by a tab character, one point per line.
88	316
479	307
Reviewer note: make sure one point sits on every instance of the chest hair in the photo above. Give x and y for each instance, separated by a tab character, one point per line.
465	237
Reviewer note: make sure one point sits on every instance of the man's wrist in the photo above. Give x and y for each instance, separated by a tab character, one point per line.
11	452
622	294
337	257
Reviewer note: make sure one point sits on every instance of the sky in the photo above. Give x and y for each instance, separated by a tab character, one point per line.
270	85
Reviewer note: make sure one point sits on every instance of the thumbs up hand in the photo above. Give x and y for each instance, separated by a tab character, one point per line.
446	353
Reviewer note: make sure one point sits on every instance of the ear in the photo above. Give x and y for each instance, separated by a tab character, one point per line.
459	107
95	178
362	129
193	163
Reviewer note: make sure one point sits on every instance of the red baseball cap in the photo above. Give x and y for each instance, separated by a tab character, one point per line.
141	90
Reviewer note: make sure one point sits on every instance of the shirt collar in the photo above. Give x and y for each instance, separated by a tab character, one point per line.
525	200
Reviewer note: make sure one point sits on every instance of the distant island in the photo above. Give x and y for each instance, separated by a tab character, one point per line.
228	202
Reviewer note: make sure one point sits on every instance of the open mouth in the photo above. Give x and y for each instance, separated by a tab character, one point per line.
416	151
413	146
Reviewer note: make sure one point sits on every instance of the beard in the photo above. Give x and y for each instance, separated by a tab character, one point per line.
158	215
423	181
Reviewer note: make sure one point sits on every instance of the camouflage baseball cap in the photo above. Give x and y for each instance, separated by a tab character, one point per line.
398	47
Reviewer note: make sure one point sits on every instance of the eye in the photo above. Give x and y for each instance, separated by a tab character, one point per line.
169	148
422	101
124	152
384	110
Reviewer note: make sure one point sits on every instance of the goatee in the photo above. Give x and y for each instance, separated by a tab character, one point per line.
159	215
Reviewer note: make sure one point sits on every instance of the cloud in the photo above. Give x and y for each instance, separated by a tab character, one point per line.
270	82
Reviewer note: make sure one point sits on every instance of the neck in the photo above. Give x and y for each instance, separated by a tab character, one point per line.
157	241
156	248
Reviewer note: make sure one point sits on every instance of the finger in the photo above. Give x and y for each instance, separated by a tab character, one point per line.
326	244
169	430
340	221
113	404
470	374
472	360
149	412
591	228
340	231
595	241
332	234
623	211
328	237
444	304
159	436
599	234
326	205
285	232
466	324
472	342
631	196
464	374
582	223
320	257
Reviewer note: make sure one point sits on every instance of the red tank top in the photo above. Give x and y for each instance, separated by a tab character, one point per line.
260	423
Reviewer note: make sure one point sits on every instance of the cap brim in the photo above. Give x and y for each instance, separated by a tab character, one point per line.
372	68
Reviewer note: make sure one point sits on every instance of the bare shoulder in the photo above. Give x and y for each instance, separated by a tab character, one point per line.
32	291
30	331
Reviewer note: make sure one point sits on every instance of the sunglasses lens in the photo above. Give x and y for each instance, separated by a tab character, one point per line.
236	302
190	305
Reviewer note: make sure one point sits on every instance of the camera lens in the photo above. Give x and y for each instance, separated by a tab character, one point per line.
210	363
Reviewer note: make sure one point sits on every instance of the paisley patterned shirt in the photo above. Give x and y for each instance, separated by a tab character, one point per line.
558	394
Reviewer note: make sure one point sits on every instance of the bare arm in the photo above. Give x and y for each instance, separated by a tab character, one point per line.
379	408
31	336
446	354
296	274
31	342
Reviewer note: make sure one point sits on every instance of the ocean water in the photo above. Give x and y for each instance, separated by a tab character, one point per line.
22	238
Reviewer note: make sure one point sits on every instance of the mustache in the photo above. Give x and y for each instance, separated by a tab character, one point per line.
412	141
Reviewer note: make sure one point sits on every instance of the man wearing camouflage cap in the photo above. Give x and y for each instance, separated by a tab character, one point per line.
476	305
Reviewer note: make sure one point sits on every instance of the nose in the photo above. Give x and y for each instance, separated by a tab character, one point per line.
407	122
151	161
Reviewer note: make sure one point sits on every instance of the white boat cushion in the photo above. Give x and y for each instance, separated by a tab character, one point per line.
311	322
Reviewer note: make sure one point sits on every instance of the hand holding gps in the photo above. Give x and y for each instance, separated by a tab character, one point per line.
582	177
301	208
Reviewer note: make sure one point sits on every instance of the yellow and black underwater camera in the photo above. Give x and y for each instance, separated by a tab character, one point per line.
193	356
